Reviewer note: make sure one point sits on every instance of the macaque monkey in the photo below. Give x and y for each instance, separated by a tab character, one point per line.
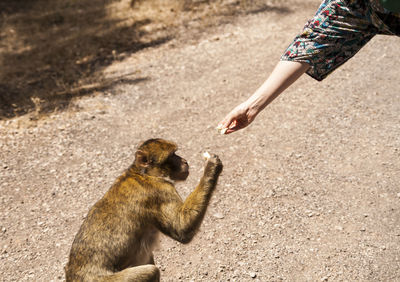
117	237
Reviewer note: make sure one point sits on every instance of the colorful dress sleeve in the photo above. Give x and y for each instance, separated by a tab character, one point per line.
337	32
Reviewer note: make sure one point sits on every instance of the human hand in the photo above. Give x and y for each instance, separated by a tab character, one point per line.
240	117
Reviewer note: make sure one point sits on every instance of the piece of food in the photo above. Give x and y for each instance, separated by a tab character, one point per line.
206	155
222	130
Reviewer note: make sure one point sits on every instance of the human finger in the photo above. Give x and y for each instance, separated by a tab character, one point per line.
226	123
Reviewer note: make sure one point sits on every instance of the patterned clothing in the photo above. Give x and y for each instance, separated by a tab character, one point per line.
338	31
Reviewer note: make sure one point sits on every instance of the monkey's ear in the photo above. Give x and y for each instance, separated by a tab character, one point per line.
142	159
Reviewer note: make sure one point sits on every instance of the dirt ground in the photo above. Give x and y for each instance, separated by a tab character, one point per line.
309	192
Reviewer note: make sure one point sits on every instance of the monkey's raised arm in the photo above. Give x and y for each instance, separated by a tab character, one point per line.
116	240
180	220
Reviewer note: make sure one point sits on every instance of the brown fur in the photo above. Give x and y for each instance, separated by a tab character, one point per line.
116	239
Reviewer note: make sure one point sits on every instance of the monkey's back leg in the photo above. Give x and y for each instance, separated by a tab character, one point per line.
142	273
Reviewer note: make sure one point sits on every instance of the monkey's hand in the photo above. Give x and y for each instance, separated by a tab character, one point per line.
213	166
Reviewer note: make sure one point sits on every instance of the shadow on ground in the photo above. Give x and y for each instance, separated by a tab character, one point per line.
53	51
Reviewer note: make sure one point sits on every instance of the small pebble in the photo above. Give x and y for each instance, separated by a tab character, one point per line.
218	215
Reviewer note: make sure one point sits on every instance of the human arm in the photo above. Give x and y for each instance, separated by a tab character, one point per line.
283	75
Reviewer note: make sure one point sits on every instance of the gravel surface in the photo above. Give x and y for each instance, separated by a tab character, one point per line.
309	192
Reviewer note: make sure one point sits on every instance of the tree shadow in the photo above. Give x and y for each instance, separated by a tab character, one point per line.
232	8
268	8
52	51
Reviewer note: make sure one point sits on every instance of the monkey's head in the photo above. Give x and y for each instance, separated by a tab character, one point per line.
156	157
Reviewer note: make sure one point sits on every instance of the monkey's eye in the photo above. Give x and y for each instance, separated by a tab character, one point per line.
173	161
